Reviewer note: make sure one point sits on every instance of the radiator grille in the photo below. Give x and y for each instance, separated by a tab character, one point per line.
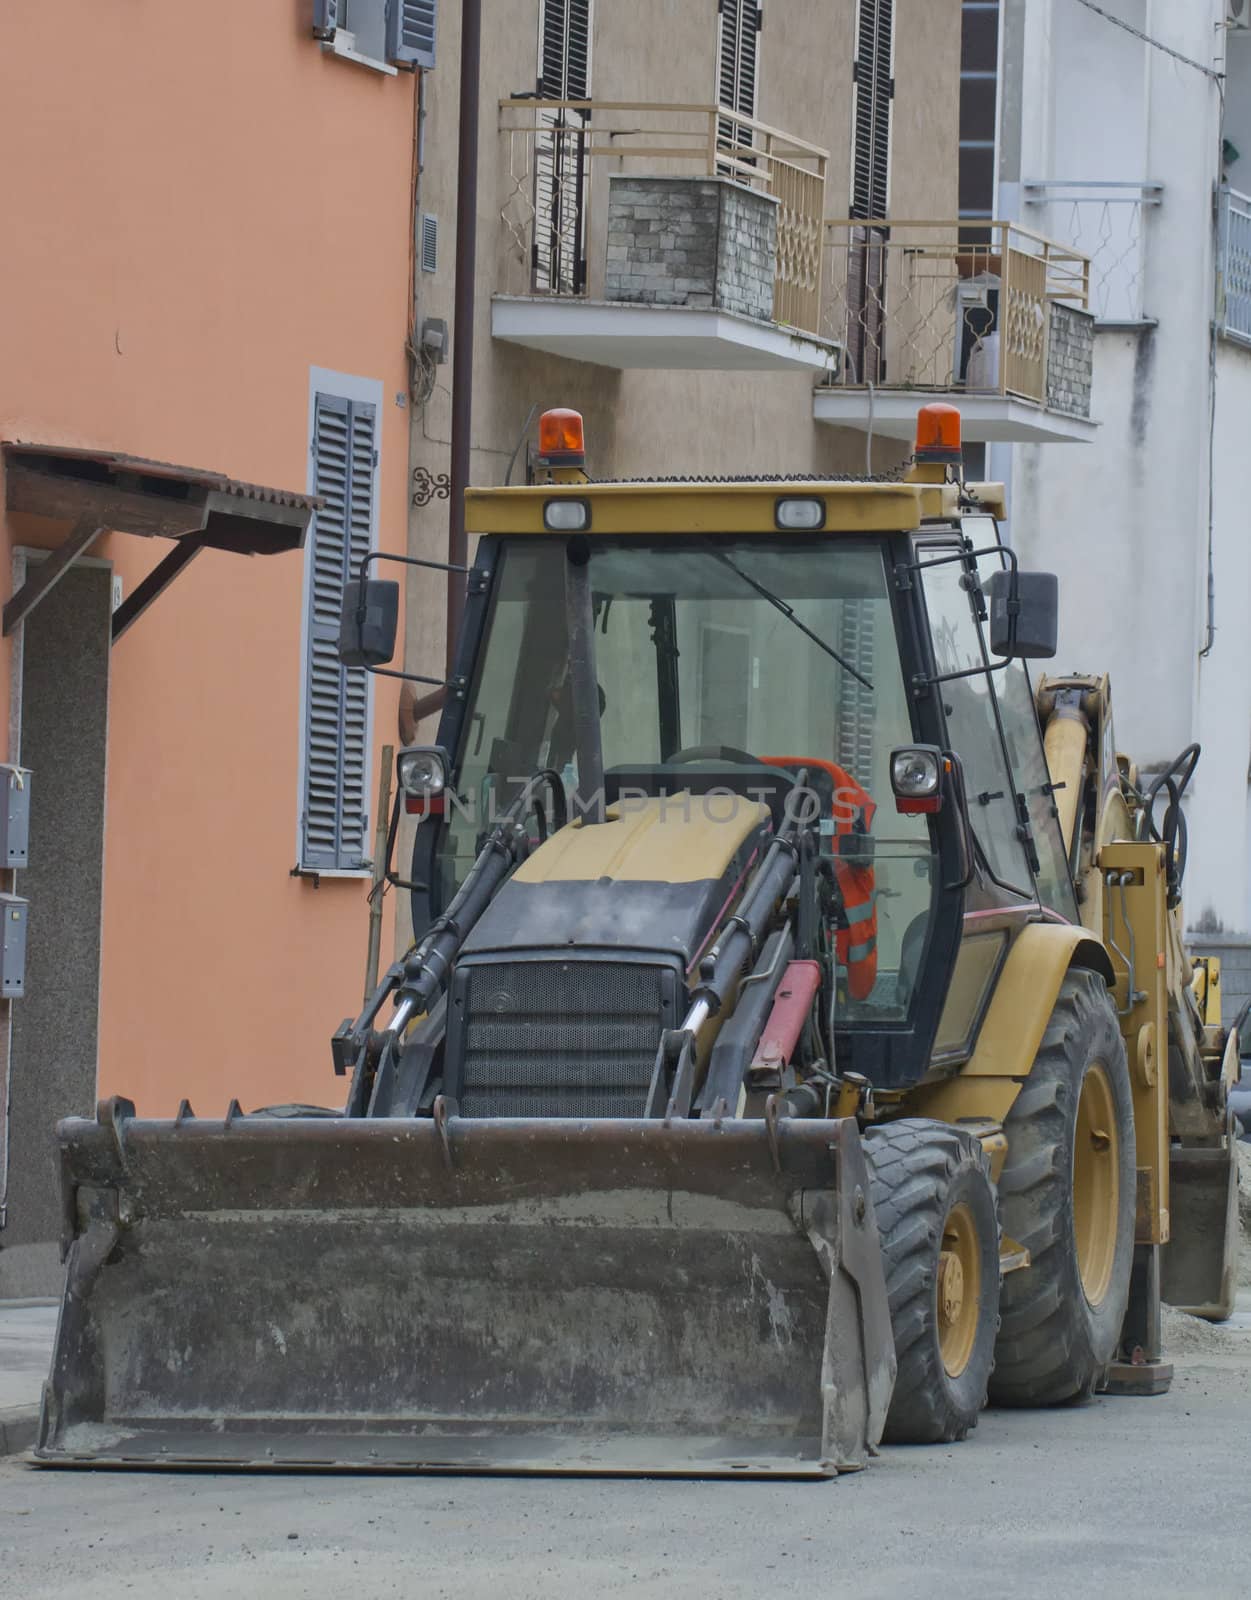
559	1039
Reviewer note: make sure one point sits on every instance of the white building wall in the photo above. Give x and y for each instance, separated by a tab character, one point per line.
1218	879
1124	521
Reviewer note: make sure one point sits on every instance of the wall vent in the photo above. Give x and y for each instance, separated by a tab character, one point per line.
429	243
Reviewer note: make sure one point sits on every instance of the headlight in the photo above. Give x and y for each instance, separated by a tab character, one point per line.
566	516
916	776
800	515
422	771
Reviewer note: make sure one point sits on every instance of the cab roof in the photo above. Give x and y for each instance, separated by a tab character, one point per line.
731	505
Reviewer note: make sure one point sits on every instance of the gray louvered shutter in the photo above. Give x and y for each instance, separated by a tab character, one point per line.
334	819
874	91
325	17
410	31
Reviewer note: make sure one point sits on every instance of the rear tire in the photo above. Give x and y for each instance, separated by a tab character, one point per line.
939	1230
1067	1193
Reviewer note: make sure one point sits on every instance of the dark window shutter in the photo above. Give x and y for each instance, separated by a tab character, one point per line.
565	50
335	811
325	17
736	68
410	31
874	90
578	51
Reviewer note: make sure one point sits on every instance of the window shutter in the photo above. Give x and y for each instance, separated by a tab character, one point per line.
874	90
336	732
578	51
325	18
411	30
565	50
736	68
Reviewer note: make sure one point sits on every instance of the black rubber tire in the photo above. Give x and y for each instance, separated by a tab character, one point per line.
1054	1345
918	1171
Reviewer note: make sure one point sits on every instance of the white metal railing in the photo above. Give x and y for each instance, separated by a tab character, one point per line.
1106	219
1233	284
556	150
947	305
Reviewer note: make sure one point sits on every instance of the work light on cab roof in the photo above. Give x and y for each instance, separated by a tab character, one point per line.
938	434
561	441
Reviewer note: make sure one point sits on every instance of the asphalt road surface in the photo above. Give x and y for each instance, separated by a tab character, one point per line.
1117	1497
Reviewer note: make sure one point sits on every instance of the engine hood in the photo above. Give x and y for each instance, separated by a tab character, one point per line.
654	877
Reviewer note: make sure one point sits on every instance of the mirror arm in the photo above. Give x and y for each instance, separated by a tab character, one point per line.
457	685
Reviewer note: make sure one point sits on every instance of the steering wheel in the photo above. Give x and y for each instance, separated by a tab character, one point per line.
712	752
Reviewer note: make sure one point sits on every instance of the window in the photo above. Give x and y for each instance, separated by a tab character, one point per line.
560	149
738	24
1033	780
334	779
979	56
972	723
402	31
874	89
688	655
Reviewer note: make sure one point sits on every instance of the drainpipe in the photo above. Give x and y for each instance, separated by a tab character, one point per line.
463	313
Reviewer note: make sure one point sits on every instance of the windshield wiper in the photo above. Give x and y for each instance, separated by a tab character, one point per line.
789	614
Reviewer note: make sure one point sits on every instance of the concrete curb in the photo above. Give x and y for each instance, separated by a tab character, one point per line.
18	1427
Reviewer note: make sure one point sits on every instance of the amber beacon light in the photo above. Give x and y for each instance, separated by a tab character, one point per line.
938	434
561	441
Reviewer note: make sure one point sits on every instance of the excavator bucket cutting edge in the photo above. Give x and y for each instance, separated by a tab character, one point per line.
643	1297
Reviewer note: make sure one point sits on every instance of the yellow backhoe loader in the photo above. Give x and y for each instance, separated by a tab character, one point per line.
797	1044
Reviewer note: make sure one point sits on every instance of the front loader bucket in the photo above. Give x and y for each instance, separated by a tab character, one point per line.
470	1295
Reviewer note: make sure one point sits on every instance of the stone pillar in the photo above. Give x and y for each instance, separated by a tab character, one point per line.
704	242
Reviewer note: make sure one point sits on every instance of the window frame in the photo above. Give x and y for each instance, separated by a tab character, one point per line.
947	550
383	47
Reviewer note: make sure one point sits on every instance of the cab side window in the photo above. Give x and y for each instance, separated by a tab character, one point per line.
973	730
1033	780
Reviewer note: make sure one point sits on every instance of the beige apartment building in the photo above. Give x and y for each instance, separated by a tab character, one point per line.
728	232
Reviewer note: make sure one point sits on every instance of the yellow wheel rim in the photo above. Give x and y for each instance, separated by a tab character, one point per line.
1096	1183
959	1289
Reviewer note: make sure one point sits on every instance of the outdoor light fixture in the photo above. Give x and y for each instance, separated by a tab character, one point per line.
938	434
916	776
422	775
561	442
567	516
806	515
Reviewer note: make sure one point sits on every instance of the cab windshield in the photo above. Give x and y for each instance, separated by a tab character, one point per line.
697	663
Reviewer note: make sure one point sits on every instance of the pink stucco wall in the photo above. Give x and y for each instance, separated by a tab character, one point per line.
200	206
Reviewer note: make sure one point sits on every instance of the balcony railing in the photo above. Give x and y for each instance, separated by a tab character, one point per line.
1233	297
981	308
559	154
1107	219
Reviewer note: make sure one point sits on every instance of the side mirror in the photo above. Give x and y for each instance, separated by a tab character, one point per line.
1024	614
368	622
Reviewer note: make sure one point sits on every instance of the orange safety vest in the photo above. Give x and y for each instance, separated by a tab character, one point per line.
856	944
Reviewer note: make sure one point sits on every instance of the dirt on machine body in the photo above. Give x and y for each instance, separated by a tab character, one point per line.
797	1047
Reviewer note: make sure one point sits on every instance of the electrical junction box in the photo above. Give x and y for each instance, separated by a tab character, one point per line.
14	815
13	947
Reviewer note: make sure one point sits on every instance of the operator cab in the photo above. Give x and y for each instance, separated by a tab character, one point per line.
753	642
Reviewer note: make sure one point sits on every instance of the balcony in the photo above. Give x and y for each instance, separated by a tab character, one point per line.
1233	297
988	316
638	235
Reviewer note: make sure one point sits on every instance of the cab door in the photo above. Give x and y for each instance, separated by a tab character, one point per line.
1002	893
